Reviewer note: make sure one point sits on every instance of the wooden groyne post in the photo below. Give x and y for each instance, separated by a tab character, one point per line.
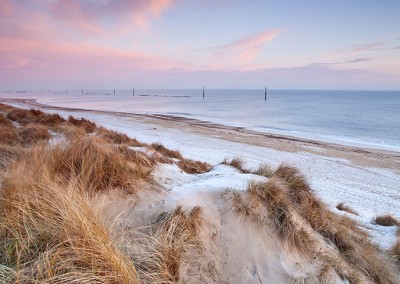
203	92
114	91
265	94
133	91
82	91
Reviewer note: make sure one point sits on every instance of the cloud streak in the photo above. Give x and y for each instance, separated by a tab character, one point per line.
367	47
343	62
247	48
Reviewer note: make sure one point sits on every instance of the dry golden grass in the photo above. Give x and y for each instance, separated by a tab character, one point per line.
51	231
161	255
83	123
51	120
264	170
24	116
341	206
386	220
350	239
33	133
117	137
53	234
21	116
8	154
95	165
5	108
286	194
4	121
237	163
396	251
193	167
8	135
166	152
276	209
70	131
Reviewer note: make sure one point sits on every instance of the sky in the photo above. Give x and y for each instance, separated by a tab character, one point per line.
287	44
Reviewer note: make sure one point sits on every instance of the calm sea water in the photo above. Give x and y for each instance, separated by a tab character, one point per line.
366	118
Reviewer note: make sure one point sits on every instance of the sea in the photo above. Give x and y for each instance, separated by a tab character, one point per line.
369	119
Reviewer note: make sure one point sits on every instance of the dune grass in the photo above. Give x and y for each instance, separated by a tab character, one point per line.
33	133
53	234
237	163
264	170
342	207
8	135
167	152
386	220
164	249
87	125
286	197
51	230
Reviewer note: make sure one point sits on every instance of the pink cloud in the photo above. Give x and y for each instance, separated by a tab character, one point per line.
369	46
247	48
88	16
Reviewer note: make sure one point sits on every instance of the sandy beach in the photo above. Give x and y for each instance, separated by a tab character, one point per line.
356	155
225	189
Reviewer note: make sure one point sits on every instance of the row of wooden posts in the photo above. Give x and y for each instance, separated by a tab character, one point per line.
133	92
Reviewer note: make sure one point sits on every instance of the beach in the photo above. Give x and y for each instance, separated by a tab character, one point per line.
222	189
366	179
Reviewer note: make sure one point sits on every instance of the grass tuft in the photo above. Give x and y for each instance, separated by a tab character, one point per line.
264	170
84	123
50	119
8	135
4	121
167	152
386	220
396	252
21	116
193	167
342	207
117	137
162	254
237	163
52	234
32	133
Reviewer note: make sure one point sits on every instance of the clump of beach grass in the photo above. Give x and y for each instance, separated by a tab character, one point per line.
386	220
342	207
54	234
162	252
193	167
84	123
8	135
264	170
237	163
287	194
167	152
33	133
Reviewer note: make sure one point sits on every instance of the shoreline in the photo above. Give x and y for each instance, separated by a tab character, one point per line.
365	157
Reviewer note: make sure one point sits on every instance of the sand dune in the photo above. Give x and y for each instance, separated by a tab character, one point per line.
86	204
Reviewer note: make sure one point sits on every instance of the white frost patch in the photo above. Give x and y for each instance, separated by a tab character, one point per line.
56	138
185	186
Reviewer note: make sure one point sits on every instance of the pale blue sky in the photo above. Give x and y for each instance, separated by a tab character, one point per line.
181	44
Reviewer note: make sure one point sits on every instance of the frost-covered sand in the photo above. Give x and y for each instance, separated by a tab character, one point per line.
366	180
